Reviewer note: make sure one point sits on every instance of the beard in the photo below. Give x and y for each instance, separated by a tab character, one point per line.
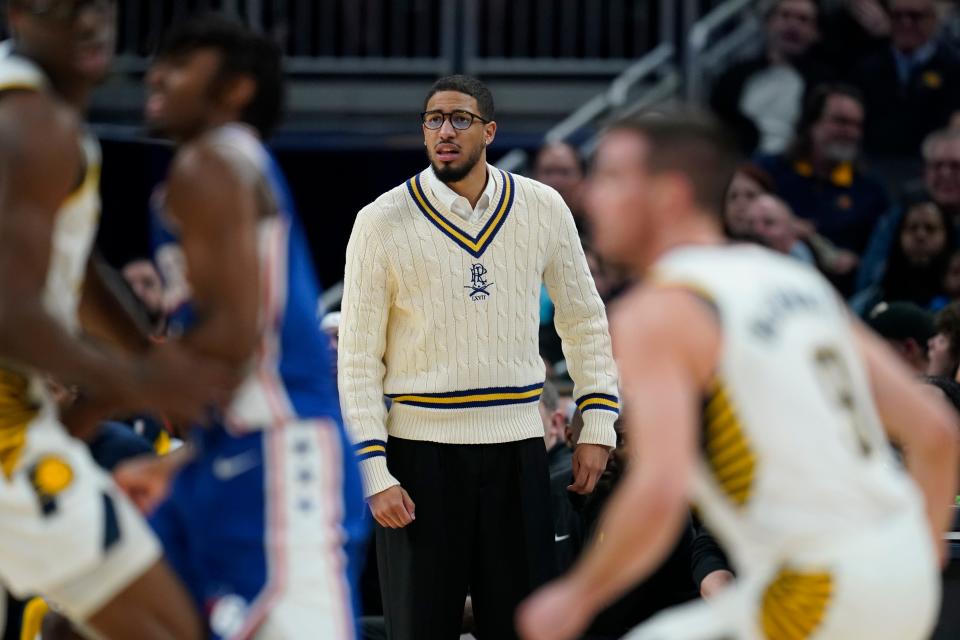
448	173
841	151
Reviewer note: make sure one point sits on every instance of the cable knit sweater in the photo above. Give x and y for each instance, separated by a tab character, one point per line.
441	315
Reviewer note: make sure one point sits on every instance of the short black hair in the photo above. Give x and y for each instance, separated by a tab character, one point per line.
690	142
242	52
471	87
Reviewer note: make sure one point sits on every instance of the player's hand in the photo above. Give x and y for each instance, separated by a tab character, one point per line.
392	508
146	480
714	583
556	612
589	462
181	385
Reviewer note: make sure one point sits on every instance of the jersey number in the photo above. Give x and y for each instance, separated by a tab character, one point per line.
835	379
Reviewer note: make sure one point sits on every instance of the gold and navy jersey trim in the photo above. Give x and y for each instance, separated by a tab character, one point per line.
17	411
795	603
370	449
729	455
470	398
475	246
599	401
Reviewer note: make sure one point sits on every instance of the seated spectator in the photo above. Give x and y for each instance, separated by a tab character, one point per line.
559	454
941	177
918	262
560	165
748	182
907	329
944	346
819	176
911	87
776	226
760	98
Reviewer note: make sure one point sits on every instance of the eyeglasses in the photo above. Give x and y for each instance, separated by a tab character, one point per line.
68	10
459	120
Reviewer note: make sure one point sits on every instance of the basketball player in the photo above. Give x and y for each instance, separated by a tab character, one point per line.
66	532
749	388
265	523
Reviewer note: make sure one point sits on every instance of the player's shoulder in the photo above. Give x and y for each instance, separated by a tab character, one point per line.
205	161
38	120
652	318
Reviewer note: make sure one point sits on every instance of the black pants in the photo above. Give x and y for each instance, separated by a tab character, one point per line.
482	525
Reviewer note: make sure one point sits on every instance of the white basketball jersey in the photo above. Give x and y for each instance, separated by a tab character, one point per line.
74	231
793	452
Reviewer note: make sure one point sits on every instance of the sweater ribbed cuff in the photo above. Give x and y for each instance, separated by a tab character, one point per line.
376	476
598	428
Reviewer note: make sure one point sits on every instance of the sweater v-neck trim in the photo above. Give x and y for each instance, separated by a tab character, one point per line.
489	223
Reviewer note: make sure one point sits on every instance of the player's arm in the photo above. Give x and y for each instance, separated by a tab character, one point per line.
108	310
922	423
214	200
40	165
666	344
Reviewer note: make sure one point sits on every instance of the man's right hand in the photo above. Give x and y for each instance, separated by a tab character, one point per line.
392	508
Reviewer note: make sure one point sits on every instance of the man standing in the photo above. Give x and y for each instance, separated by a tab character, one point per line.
440	314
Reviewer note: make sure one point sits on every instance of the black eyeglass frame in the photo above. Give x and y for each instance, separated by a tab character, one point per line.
449	116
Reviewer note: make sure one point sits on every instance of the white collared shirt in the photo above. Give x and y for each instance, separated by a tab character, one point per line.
457	203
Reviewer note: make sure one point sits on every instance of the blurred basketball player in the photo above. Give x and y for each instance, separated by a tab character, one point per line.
66	532
748	387
265	522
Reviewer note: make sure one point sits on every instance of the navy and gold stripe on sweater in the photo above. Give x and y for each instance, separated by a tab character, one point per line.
598	401
370	449
470	398
475	246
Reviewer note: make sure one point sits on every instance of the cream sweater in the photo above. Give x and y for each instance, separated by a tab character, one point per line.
442	316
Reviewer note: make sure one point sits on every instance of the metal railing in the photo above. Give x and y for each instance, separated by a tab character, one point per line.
714	41
649	81
427	37
416	37
712	34
561	36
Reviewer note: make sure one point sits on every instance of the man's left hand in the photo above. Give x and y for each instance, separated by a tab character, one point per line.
589	462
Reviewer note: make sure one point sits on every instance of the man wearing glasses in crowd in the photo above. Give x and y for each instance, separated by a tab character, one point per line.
440	314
